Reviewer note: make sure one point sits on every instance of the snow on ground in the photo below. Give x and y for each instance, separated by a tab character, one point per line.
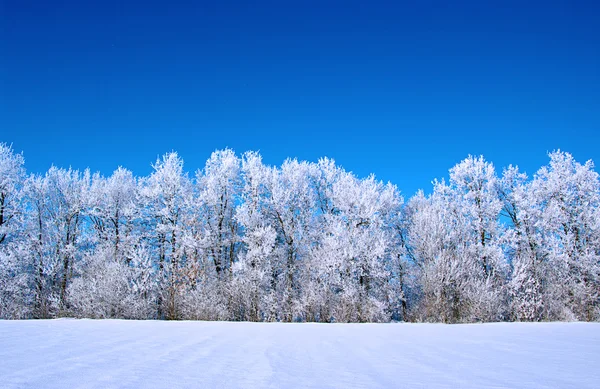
71	353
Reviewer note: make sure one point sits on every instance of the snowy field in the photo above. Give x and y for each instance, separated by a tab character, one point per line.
71	353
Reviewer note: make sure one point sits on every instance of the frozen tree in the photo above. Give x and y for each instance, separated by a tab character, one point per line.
218	189
474	186
12	176
165	196
38	244
115	279
289	211
212	237
113	289
53	236
13	277
65	194
255	276
361	206
554	240
251	285
277	201
454	238
299	242
349	269
565	197
530	269
433	241
113	211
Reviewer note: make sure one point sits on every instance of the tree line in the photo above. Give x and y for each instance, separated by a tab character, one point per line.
241	240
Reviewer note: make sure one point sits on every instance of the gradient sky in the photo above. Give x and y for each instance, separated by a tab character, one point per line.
404	90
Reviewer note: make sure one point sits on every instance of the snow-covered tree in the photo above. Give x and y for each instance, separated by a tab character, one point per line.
38	244
165	196
349	272
282	199
218	193
66	193
564	199
113	210
454	237
289	211
299	242
14	285
113	289
529	298
12	176
251	287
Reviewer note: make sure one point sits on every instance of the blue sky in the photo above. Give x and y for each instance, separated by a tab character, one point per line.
403	90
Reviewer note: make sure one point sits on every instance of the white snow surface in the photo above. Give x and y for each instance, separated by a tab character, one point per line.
69	353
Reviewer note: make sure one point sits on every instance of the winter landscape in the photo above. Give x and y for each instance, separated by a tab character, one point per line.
301	243
299	194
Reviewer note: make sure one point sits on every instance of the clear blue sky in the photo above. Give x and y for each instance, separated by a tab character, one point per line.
402	89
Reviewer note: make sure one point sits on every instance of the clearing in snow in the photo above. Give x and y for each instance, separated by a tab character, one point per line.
70	353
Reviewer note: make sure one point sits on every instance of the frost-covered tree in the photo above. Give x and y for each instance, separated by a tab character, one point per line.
12	176
165	197
113	210
564	199
299	242
474	187
212	238
114	289
528	286
289	211
218	193
282	199
115	278
354	253
14	280
251	286
255	276
433	241
454	238
38	244
66	192
349	274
